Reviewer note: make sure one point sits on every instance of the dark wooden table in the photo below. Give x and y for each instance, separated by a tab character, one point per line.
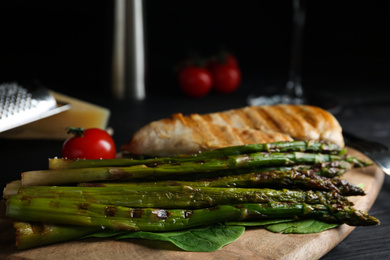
365	117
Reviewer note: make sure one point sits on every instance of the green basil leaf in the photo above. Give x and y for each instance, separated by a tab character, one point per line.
258	223
300	227
206	239
105	233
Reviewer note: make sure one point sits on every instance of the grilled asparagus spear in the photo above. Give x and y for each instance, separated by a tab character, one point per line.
293	146
277	178
179	196
78	210
72	212
244	163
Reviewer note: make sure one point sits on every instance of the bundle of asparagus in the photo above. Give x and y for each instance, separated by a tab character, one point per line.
283	180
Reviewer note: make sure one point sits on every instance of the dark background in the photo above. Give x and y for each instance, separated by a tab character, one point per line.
67	44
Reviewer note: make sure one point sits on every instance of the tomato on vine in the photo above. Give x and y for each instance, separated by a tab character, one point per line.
92	143
226	74
195	81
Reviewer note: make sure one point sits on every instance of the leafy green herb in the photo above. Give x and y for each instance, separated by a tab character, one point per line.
206	239
105	234
258	223
214	237
300	227
360	185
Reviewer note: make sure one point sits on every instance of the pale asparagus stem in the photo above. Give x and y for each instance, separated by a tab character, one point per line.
245	163
68	176
12	188
29	235
71	212
293	146
185	197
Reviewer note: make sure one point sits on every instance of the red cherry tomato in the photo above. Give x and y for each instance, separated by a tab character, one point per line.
227	78
195	81
92	143
231	60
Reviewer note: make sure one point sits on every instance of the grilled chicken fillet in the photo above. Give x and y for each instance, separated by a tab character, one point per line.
181	134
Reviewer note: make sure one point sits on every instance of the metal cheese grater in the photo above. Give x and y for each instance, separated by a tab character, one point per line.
24	103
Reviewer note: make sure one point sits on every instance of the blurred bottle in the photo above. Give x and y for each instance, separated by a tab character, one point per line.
128	64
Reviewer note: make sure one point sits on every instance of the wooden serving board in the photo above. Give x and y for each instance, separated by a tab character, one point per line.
255	243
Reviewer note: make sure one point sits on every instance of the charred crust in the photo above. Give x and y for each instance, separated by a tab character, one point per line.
25	201
176	164
92	185
83	206
54	204
214	208
118	174
136	213
188	213
109	211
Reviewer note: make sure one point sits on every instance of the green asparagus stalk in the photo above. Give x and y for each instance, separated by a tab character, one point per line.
71	212
179	196
293	146
245	163
334	169
234	191
282	177
300	176
272	179
29	235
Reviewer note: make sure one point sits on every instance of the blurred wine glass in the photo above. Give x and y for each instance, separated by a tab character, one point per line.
293	92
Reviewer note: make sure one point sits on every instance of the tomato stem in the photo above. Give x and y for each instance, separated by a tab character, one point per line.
77	131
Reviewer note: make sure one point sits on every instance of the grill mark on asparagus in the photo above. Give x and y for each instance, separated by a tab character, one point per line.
110	211
188	213
137	213
93	184
83	206
116	173
215	208
53	204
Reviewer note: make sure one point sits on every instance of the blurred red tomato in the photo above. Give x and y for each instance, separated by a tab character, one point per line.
195	81
227	78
